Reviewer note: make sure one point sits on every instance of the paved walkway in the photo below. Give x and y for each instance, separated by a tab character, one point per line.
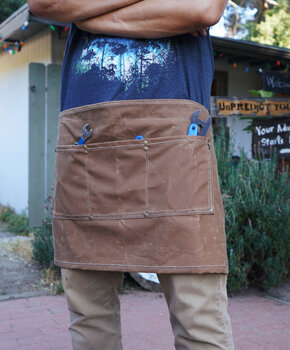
40	323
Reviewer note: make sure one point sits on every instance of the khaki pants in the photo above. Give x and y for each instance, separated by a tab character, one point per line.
197	305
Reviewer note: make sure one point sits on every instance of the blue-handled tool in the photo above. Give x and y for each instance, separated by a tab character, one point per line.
192	130
87	132
139	137
202	126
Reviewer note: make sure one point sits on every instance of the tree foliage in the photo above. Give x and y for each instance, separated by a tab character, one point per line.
269	24
274	29
8	7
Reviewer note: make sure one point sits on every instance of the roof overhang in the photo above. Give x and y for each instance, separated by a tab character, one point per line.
250	49
11	28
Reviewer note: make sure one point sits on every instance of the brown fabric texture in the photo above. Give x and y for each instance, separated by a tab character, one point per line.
150	205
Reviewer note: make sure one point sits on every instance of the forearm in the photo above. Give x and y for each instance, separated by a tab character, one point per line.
75	10
157	18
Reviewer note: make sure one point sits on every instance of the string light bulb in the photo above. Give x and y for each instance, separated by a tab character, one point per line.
25	24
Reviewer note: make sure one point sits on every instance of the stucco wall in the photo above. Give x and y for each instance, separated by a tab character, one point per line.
14	118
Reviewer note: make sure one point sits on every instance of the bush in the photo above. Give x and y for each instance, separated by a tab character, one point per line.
18	224
256	201
42	245
5	213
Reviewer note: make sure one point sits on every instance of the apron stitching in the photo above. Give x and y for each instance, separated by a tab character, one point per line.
146	181
144	103
178	210
144	266
138	215
210	185
64	148
178	141
57	215
88	184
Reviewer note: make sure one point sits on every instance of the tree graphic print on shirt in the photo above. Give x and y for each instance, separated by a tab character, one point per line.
138	63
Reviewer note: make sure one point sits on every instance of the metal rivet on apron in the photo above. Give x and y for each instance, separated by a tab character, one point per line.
208	144
211	211
91	217
146	214
145	143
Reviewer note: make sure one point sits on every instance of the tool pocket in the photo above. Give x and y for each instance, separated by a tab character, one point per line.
179	176
134	179
100	180
116	175
71	182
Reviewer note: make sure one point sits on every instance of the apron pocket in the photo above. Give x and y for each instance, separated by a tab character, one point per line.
134	179
179	180
116	174
100	181
71	183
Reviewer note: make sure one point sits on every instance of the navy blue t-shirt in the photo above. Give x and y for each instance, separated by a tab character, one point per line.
101	68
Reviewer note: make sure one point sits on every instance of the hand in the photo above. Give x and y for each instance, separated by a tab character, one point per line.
200	32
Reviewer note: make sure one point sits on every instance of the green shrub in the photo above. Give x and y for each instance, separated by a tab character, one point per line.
6	212
18	224
42	245
256	200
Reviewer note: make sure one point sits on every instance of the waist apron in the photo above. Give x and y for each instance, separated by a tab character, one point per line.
148	205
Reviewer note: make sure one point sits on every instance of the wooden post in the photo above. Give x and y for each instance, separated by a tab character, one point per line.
36	172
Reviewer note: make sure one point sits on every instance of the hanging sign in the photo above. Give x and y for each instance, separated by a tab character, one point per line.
252	107
276	81
269	135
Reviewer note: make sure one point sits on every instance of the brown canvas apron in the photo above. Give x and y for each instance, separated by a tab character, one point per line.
150	205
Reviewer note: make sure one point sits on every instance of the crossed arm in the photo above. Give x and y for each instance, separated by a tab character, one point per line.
134	18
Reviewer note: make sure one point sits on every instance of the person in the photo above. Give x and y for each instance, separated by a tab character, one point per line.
133	192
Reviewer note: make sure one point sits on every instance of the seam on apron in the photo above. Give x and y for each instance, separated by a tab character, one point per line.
144	103
146	182
138	215
210	184
88	184
143	266
65	148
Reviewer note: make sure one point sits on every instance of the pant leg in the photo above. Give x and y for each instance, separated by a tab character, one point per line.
197	305
94	306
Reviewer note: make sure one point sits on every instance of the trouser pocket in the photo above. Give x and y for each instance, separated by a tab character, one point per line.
136	178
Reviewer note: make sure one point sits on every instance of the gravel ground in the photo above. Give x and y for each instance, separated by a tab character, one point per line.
19	275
